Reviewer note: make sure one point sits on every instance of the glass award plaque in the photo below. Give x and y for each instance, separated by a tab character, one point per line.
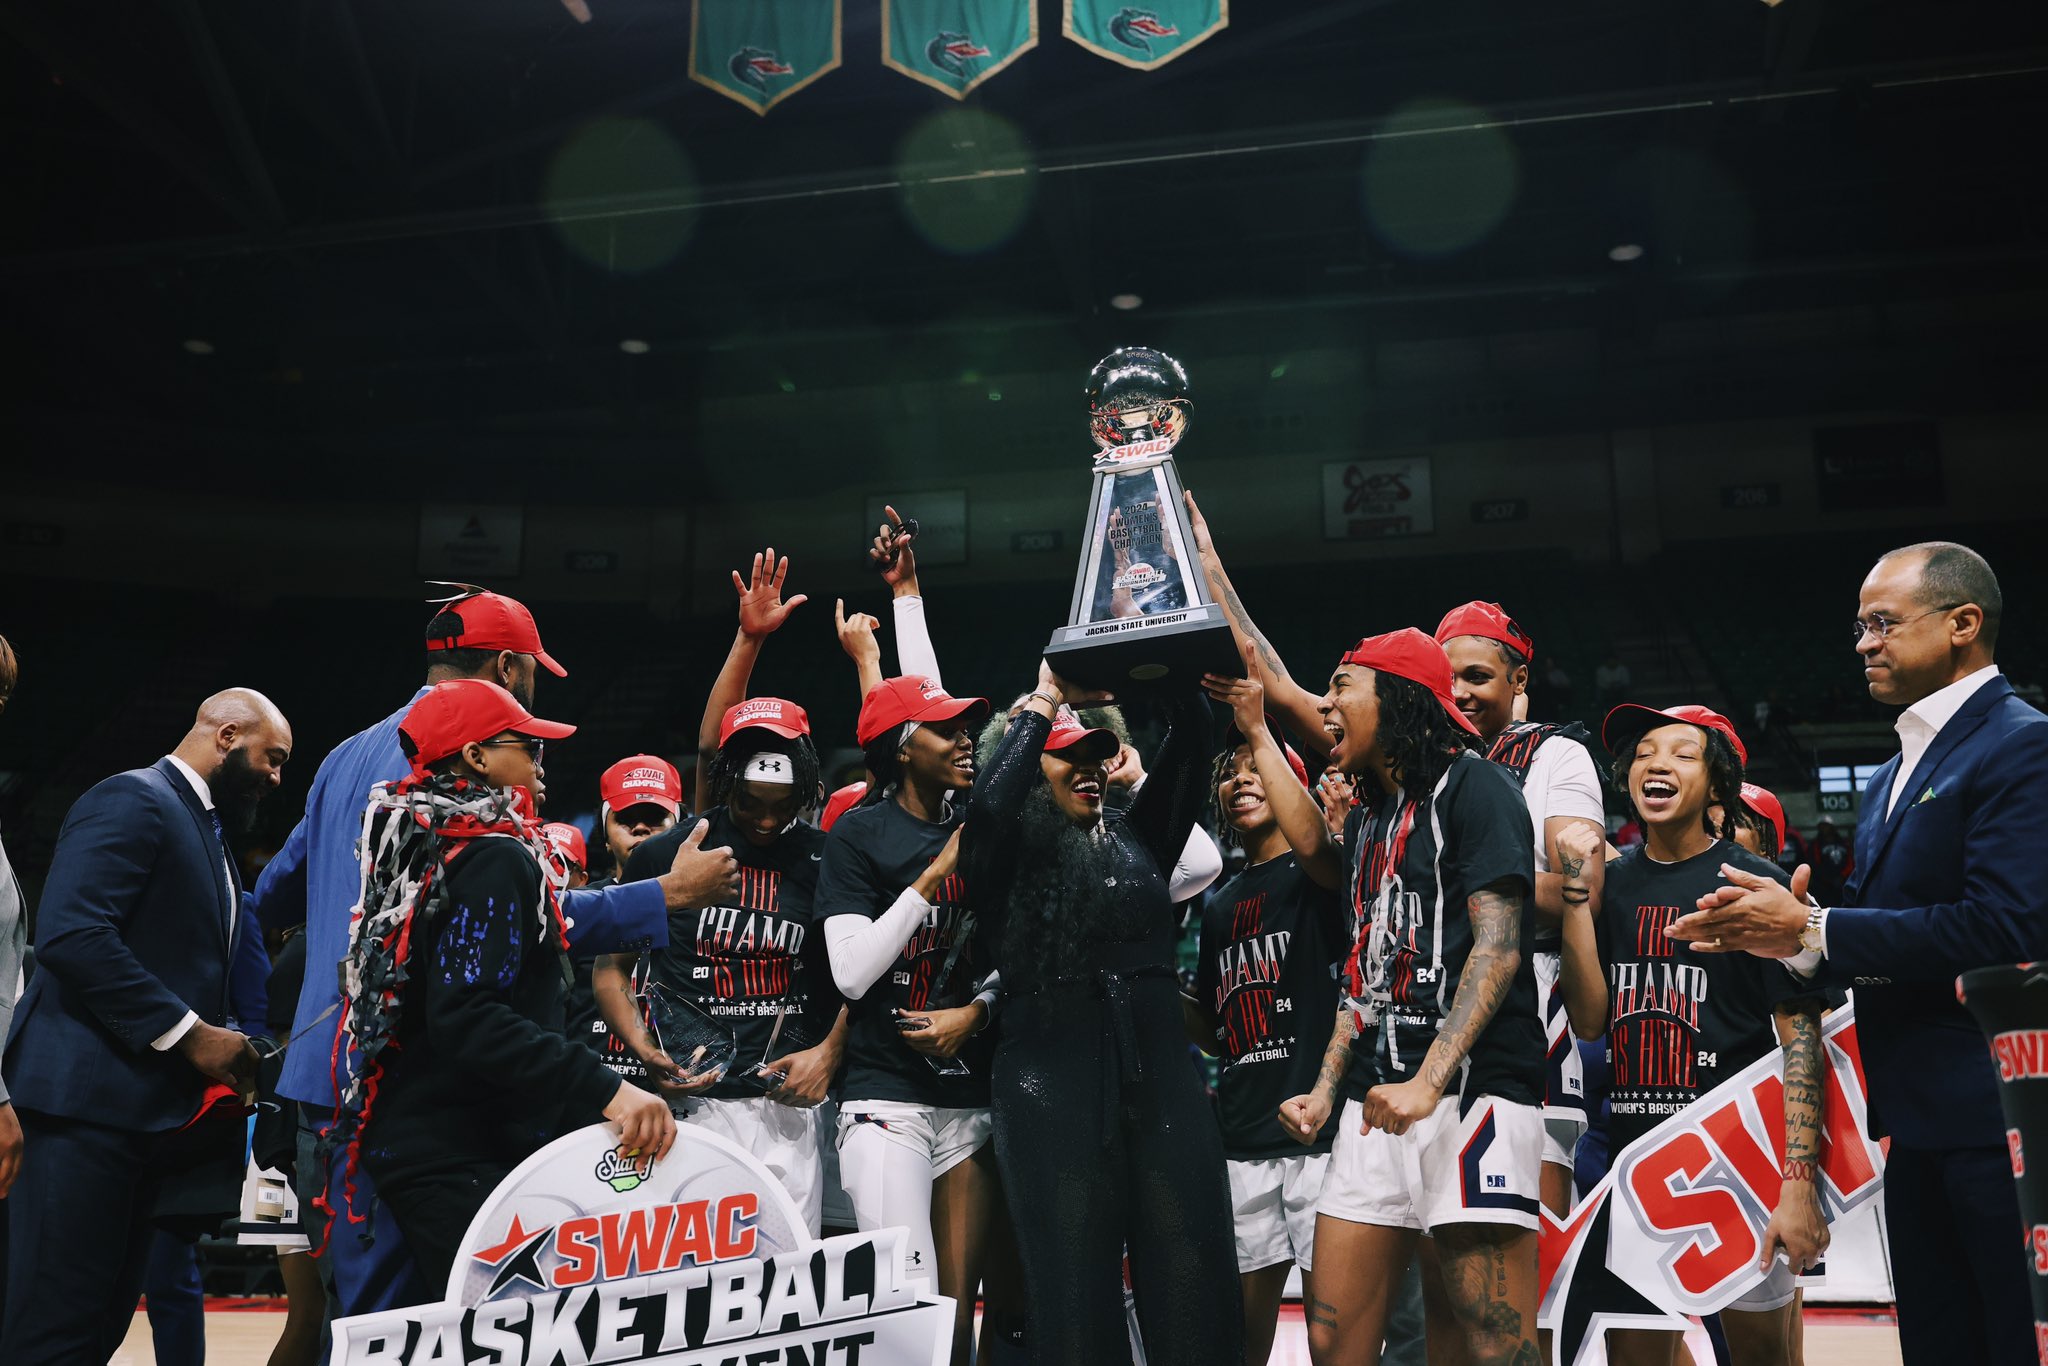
692	1038
1141	612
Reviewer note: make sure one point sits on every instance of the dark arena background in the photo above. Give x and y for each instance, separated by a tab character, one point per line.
1655	323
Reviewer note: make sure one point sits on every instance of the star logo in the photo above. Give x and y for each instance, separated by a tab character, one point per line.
520	1253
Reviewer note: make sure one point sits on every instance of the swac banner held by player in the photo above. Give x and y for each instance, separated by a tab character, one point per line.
586	1256
1676	1226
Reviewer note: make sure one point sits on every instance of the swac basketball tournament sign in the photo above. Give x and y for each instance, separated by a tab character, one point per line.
1675	1229
586	1256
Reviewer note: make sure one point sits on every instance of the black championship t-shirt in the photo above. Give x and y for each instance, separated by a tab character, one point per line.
754	957
873	853
1414	864
1267	972
586	1022
1680	1022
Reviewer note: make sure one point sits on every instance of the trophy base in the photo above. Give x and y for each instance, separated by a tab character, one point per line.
1147	654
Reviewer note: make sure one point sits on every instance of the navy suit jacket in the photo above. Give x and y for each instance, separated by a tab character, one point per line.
1953	879
131	932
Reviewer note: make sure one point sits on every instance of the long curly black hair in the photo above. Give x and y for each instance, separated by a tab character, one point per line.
1063	894
1416	735
731	761
1724	783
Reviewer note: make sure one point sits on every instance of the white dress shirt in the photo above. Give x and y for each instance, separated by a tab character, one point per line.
1921	722
1917	727
169	1038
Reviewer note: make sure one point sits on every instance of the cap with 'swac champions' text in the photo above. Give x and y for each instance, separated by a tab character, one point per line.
642	778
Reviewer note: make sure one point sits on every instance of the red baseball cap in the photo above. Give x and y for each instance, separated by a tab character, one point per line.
1765	803
1069	732
1233	737
771	714
568	840
454	713
894	701
1409	654
489	621
1631	719
642	778
841	802
1489	620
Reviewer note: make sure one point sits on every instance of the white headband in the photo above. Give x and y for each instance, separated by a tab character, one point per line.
768	766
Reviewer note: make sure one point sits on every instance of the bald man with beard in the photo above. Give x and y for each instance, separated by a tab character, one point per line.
122	1029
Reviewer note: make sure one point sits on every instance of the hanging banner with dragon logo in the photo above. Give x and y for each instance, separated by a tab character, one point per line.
1147	35
955	45
760	52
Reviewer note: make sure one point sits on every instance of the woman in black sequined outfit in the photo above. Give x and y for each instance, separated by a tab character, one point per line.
1103	1135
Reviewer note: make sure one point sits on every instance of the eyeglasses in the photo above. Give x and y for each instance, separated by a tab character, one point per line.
1876	624
532	746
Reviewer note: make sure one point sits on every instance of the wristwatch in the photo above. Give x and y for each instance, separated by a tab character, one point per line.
1810	934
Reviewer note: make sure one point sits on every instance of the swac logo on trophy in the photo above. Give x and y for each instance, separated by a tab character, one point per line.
1141	613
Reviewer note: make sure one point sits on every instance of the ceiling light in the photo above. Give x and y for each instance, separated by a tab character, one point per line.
1627	251
1124	302
633	346
995	396
197	346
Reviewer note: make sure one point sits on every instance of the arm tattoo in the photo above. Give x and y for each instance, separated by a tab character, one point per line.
1573	891
1269	659
1489	974
1804	1083
1337	1056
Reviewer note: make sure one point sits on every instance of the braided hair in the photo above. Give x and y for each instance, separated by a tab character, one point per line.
1724	783
745	743
1416	735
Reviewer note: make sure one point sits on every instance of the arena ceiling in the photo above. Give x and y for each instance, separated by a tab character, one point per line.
334	233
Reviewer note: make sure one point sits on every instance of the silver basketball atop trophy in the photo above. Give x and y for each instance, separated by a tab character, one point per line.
1138	404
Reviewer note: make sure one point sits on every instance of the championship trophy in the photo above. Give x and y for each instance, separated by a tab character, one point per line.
1142	613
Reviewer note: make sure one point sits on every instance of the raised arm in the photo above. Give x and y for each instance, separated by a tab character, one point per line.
1300	819
857	637
1295	704
894	557
1170	802
762	612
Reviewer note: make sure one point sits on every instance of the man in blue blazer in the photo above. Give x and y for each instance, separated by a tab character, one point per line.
1948	877
123	1026
315	879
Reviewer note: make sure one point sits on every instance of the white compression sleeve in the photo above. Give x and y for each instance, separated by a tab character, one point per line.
914	652
862	949
1201	863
